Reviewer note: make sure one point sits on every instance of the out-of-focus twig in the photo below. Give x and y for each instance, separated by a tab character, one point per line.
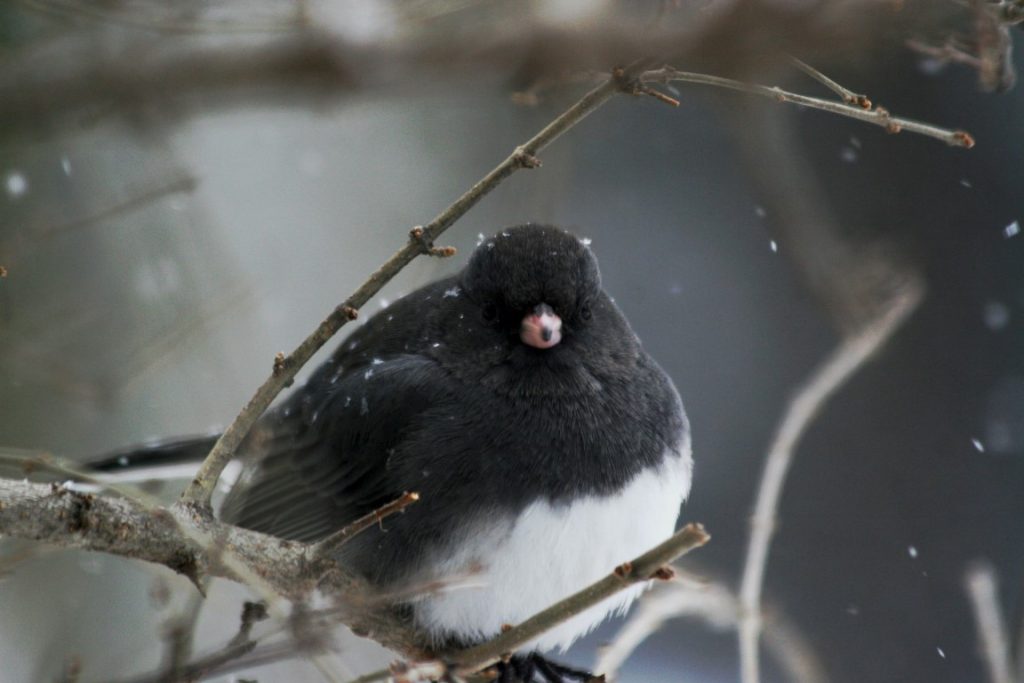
993	637
805	405
717	606
867	289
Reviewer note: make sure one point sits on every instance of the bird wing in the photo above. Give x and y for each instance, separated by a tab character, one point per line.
321	460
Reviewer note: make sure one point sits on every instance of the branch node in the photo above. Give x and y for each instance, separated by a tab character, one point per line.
886	121
624	570
664	573
963	139
524	159
280	363
861	101
349	312
660	96
625	82
427	248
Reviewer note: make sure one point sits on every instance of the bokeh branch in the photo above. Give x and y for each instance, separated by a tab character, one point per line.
805	405
982	589
716	605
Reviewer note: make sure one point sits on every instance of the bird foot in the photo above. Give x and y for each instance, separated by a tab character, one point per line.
533	668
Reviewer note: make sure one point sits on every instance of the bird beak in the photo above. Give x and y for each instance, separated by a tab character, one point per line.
541	328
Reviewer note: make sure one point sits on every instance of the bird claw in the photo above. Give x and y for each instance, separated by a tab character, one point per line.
534	668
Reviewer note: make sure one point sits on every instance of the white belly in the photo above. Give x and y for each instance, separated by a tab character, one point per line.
520	566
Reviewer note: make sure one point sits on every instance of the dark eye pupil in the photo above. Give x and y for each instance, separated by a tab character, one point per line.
585	313
490	312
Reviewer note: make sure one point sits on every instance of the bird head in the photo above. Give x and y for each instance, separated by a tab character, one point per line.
531	311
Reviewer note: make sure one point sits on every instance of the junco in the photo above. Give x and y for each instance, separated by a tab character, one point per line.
547	447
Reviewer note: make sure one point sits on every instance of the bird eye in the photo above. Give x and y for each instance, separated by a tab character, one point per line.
585	312
489	312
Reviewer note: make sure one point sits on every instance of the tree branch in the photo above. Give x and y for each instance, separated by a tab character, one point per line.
805	405
644	568
877	116
847	95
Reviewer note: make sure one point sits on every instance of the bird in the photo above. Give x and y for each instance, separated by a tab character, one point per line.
546	446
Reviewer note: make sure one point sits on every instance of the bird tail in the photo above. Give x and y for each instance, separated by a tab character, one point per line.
176	458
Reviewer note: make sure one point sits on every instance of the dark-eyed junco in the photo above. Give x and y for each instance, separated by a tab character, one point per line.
547	447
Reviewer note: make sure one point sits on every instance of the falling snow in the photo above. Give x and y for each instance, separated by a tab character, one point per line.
17	184
848	154
912	551
760	212
996	315
377	361
1010	230
65	164
586	241
452	293
966	183
774	246
855	141
364	407
978	445
480	238
368	374
941	653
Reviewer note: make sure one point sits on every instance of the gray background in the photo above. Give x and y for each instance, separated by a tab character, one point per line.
162	320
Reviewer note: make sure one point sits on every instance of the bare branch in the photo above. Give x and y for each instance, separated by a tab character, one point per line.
644	568
640	570
332	543
66	517
847	95
982	589
876	116
805	405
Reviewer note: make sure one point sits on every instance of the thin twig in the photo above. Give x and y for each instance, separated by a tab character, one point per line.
993	637
200	489
877	116
850	356
640	570
332	543
845	94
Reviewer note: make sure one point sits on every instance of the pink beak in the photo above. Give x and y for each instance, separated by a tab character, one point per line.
541	329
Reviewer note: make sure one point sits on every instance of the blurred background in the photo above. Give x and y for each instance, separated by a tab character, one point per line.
186	190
